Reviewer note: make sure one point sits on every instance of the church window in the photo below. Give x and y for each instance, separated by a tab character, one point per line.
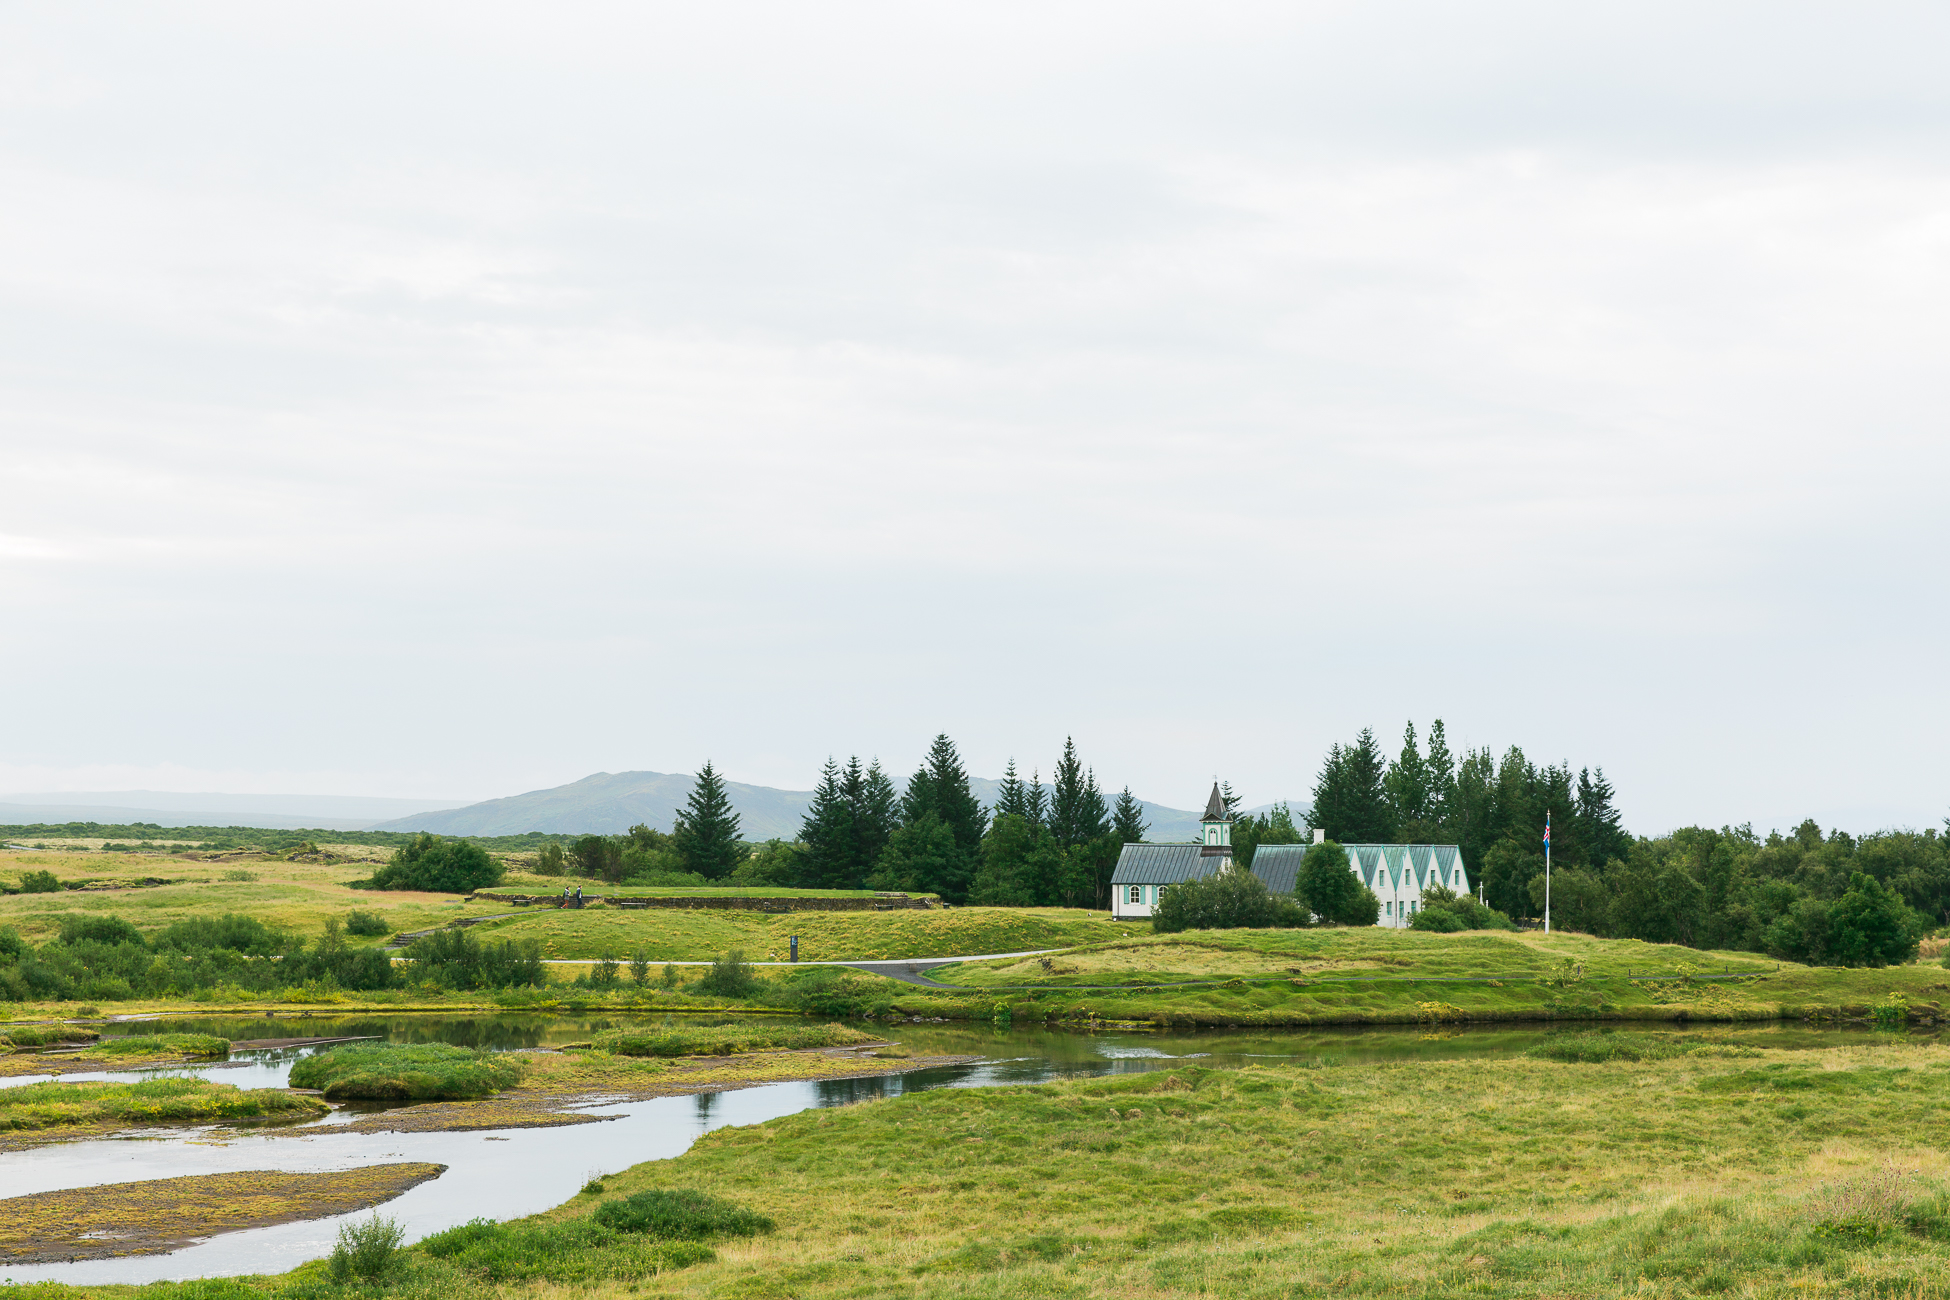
1136	894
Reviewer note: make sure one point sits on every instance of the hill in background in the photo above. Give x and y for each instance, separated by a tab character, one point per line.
329	812
609	803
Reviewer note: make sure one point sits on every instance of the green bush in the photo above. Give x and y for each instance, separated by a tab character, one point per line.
365	924
1330	889
550	860
98	929
832	991
572	1250
456	959
429	863
1230	900
40	882
405	1072
367	1251
730	976
685	1215
1446	912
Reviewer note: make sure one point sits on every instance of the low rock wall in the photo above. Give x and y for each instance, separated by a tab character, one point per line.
878	903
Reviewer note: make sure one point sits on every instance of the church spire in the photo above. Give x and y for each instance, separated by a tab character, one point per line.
1216	826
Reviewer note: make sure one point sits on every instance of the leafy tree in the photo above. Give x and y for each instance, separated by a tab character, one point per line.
706	834
1870	926
550	860
1330	890
598	857
1507	871
427	862
1227	900
1350	803
1127	819
776	862
730	976
1580	901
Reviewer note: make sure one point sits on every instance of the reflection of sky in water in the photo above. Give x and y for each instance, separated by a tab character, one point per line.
516	1172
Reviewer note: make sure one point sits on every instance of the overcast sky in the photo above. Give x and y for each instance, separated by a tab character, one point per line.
454	400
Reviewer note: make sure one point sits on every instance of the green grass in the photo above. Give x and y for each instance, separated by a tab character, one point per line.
152	1101
405	1072
726	1040
187	1045
47	1035
669	934
528	884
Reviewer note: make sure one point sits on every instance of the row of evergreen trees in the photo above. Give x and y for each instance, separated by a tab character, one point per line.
1492	808
1041	847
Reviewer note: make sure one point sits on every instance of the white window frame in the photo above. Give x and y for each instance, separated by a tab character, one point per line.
1134	894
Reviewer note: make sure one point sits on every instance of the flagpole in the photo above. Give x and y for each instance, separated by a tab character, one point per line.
1547	871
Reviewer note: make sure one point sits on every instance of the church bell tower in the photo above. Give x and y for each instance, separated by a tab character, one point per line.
1216	827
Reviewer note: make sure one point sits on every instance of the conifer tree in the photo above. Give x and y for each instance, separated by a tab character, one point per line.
875	816
1349	801
1127	821
1442	774
1599	825
1228	798
1077	811
1011	800
706	834
1038	813
937	801
830	834
1408	784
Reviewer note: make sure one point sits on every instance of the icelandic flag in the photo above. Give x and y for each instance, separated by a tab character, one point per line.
1547	828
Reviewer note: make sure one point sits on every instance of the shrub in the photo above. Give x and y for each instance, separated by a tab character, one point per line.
1233	899
40	882
366	924
572	1250
367	1251
639	968
231	931
550	860
683	1215
730	976
456	959
98	929
430	863
832	991
1447	912
405	1072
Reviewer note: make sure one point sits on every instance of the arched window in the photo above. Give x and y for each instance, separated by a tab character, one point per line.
1135	894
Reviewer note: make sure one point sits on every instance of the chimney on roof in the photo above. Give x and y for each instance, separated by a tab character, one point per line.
1320	834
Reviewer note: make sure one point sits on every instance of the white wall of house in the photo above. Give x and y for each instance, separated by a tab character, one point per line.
1124	908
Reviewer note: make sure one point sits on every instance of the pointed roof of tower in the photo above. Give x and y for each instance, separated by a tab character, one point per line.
1215	807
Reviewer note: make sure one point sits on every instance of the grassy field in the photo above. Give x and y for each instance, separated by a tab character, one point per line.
678	935
1712	1169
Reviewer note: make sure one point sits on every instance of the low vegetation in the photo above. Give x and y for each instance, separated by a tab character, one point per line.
405	1072
431	864
726	1040
151	1101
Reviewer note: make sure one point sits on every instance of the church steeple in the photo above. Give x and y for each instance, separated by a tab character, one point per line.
1216	827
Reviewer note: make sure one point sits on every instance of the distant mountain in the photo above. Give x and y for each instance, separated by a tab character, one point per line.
609	803
329	812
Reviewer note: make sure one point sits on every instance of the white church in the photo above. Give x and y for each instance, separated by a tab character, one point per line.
1397	873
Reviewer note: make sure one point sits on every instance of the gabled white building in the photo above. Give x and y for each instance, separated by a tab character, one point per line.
1397	873
1145	871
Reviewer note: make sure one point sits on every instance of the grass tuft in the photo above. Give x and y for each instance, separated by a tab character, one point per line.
726	1040
405	1072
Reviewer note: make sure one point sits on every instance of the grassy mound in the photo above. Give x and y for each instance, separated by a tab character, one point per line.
1600	1048
682	1214
205	1045
152	1101
48	1035
726	1040
405	1072
575	1250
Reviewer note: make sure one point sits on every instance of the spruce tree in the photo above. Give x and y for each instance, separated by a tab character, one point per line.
1073	816
1228	798
1349	801
1038	813
1604	835
875	817
1408	785
706	835
1442	774
1011	800
830	834
1127	821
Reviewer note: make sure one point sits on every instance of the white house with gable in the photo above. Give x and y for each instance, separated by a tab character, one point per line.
1397	873
1145	871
